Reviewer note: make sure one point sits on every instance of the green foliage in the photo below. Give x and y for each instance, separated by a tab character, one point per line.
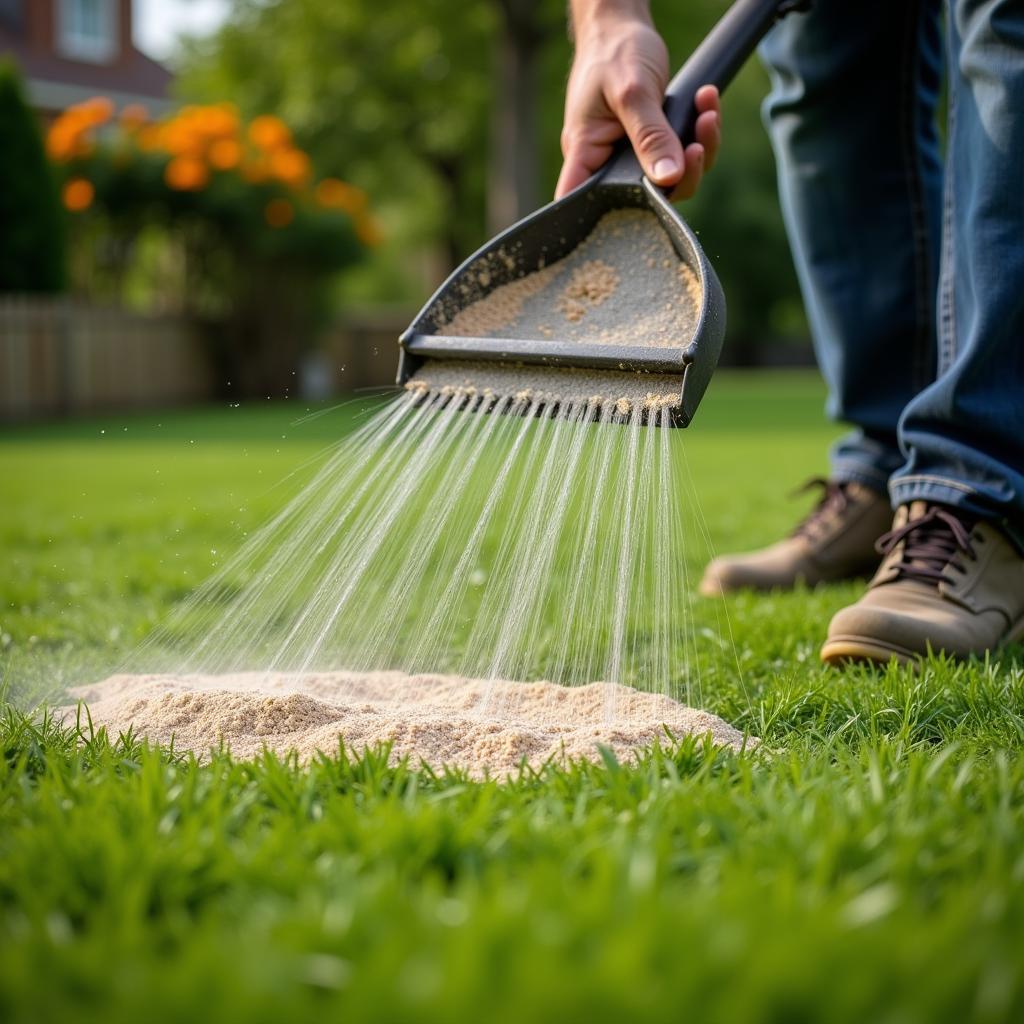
231	211
31	225
395	96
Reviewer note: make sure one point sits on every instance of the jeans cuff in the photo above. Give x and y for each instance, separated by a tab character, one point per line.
939	489
847	470
944	491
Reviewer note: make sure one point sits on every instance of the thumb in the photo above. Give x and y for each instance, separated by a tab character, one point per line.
656	145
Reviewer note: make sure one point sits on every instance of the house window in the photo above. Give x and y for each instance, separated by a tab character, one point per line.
88	30
10	13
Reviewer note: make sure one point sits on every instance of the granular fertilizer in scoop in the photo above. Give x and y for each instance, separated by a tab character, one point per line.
623	285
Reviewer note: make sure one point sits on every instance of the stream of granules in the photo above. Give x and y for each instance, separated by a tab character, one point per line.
533	545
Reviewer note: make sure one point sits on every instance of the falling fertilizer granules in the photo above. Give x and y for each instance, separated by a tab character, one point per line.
483	727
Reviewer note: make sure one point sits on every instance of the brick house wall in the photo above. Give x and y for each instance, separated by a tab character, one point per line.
70	50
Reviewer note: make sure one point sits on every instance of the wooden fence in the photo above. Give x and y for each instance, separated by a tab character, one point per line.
362	347
59	356
62	356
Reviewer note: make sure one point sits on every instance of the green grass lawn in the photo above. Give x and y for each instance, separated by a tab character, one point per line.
866	865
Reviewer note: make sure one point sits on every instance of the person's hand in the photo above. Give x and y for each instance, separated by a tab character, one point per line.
616	88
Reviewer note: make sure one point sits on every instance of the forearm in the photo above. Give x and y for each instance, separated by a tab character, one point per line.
616	86
589	16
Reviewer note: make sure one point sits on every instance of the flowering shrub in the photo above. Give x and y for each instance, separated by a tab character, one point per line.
219	218
240	200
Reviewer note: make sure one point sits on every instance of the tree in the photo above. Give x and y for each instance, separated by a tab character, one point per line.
31	223
513	186
396	94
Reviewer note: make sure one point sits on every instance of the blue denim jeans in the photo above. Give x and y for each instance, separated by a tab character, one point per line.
911	262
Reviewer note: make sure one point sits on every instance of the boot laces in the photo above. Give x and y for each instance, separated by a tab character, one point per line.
931	543
832	501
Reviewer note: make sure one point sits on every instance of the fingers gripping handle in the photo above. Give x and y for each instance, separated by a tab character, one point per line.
719	57
715	62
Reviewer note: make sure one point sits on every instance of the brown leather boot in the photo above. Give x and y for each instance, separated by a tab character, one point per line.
835	542
949	582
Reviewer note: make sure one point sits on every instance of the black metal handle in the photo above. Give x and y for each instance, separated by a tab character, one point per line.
720	56
723	51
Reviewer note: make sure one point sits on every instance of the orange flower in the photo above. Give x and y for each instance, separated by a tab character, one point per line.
290	166
269	132
279	213
134	116
62	140
339	195
220	121
186	174
149	138
225	154
179	138
368	231
68	136
96	110
78	194
99	109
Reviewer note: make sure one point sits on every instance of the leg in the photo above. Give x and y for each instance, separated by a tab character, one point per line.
852	119
953	579
964	435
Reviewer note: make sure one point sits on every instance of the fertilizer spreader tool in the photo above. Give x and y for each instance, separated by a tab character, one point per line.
555	230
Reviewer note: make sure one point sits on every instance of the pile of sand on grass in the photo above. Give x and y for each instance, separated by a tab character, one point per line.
484	727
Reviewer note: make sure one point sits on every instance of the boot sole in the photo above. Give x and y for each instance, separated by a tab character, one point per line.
851	650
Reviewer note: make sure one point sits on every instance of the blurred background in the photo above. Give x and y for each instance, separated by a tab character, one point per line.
226	199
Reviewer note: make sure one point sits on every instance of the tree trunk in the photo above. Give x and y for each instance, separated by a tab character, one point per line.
453	234
512	190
